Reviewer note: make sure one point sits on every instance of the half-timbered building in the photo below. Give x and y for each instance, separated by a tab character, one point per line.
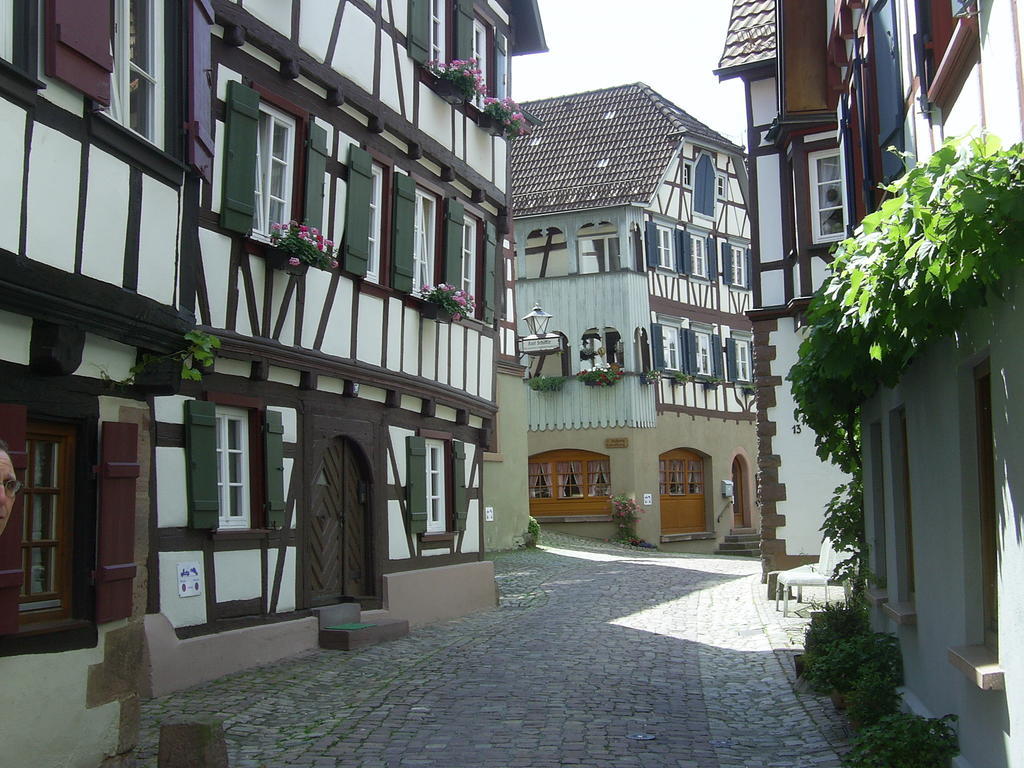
170	531
632	231
940	449
798	210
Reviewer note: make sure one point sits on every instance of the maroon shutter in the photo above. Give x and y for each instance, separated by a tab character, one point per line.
13	421
78	45
115	558
199	126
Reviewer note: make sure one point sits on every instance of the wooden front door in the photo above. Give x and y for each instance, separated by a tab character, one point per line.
339	535
681	477
740	506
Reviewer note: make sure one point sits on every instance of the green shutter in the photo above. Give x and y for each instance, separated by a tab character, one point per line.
490	262
416	483
403	219
273	454
463	29
419	30
316	167
201	468
357	210
459	500
239	182
454	222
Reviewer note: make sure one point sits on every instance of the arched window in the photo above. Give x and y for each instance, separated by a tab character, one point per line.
569	482
597	246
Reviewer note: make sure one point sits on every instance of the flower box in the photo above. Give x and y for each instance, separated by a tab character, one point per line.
491	124
448	91
284	261
432	311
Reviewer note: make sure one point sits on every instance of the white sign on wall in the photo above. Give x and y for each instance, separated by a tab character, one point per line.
190	579
648	499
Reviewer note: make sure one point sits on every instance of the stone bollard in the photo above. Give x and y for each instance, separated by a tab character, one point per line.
195	743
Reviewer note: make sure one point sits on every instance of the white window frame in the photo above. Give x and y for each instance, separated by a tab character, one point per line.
670	347
269	119
424	240
666	247
469	241
687	174
125	70
7	30
702	340
480	54
376	222
742	347
812	193
224	415
438	30
698	256
436	483
739	266
721	186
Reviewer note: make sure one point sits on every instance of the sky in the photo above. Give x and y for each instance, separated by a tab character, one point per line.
671	45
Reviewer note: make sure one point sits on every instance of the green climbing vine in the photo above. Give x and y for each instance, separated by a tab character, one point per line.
942	244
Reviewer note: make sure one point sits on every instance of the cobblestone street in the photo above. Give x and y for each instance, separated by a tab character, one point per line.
592	645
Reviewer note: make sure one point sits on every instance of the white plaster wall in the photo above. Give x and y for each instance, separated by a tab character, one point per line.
411	323
471	538
486	365
435	118
373	394
773	288
340	192
763	103
53	178
180	611
443	339
393	349
289	418
389	85
398	542
354	54
53	726
170	408
106	218
428	349
478	151
819	272
318	282
330	384
272	12
809	482
472	361
338	337
216	255
406	68
102	356
171	502
12	169
229	367
158	241
410	403
457	370
284	376
218	168
286	598
1002	93
281	279
316	21
769	208
964	116
16	339
61	94
371	322
238	575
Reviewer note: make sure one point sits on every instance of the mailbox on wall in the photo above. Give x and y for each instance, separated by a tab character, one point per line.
727	489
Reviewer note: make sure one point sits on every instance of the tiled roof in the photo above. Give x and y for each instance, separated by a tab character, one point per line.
751	35
600	148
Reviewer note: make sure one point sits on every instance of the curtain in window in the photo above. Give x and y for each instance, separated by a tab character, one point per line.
695	477
540	481
598	477
570	479
673	477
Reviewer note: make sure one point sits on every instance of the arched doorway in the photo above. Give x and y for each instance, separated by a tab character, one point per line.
340	531
740	496
681	480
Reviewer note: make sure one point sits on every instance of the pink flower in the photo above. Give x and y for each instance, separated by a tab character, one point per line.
294	261
276	227
330	243
303	228
334	263
456	316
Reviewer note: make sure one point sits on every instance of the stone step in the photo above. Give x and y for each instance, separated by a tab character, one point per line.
741	552
731	546
743	531
344	627
743	538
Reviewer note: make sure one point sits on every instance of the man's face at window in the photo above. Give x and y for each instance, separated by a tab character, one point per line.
6	501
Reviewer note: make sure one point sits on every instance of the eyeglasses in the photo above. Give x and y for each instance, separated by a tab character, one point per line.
11	487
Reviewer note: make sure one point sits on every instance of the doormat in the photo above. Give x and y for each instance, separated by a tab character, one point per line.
350	626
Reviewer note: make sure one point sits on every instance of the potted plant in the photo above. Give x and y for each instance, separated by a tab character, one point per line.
545	383
503	117
747	388
625	513
678	377
600	376
296	248
652	376
905	740
711	382
446	303
457	81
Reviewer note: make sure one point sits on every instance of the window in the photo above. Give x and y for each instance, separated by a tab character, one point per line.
424	241
742	360
480	54
687	173
666	253
438	30
989	528
702	343
670	347
738	257
540	481
435	485
598	246
704	187
233	467
7	30
698	256
47	504
828	213
721	187
275	146
682	475
137	88
469	241
376	223
568	482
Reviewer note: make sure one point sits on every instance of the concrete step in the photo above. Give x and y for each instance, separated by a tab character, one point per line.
741	552
344	627
743	531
